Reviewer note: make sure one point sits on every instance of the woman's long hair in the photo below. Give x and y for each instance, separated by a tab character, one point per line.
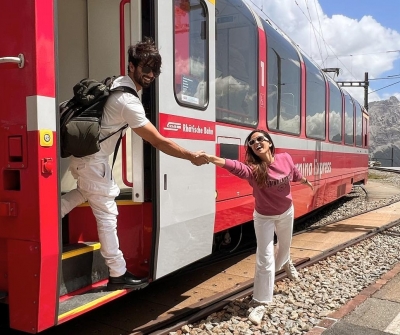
258	166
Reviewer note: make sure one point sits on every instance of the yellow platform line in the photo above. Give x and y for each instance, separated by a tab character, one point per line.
81	251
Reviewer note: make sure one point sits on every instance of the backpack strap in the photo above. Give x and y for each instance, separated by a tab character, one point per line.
116	148
125	89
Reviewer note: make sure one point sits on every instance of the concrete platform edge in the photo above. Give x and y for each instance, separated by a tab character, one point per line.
347	308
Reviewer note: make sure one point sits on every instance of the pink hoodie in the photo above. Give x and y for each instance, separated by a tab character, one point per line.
275	197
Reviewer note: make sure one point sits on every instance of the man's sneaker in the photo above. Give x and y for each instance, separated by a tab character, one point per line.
290	270
257	314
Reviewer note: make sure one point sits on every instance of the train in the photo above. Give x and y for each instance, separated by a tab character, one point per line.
227	70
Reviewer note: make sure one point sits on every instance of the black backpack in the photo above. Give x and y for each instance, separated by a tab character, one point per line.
80	117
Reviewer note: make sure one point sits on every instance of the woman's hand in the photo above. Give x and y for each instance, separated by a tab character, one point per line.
307	182
310	185
199	158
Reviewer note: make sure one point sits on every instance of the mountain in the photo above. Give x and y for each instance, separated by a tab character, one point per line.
384	134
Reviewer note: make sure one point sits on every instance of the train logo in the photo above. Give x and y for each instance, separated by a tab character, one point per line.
174	126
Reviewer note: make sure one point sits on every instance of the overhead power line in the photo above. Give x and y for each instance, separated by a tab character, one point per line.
324	40
384	87
368	53
396	76
315	35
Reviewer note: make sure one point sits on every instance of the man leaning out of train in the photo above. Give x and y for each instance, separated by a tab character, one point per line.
96	182
270	175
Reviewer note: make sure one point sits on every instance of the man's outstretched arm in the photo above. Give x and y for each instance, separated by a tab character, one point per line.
150	134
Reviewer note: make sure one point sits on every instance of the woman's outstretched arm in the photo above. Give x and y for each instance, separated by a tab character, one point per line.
218	161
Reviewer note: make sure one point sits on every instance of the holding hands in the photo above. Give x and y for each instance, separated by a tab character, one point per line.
199	158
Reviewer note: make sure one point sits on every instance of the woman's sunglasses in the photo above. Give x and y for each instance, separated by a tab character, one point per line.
258	139
146	69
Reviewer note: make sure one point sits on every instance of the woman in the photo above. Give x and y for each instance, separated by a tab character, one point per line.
269	174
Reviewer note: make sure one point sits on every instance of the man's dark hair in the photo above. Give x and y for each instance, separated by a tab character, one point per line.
145	53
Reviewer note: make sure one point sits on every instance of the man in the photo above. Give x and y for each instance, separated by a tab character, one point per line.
93	173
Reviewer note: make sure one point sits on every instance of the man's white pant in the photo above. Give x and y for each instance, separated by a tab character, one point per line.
266	260
96	185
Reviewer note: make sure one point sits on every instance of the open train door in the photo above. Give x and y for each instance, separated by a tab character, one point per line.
29	234
185	34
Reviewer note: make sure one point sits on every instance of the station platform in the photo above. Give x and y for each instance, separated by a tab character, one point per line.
376	309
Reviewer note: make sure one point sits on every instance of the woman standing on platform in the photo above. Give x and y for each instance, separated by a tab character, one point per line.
269	174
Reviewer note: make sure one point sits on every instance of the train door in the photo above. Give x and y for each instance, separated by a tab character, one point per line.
186	206
29	234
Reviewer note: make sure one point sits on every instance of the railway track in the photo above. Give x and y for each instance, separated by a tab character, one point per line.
201	310
193	294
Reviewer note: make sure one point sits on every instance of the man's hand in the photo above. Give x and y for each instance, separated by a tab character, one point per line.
199	158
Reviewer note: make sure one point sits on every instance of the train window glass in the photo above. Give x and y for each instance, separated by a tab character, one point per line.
359	139
230	151
283	83
365	131
315	101
348	120
191	60
335	113
236	63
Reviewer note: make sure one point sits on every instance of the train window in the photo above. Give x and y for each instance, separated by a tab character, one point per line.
315	101
230	151
236	63
348	120
365	130
191	60
283	83
335	113
359	139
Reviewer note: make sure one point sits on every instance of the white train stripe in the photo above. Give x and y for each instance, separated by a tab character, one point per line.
226	134
41	113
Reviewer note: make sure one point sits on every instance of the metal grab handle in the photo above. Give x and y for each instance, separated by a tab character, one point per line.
20	60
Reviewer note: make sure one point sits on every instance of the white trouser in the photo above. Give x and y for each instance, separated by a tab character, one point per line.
266	260
95	183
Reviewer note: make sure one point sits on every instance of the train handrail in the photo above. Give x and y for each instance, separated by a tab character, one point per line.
20	60
122	71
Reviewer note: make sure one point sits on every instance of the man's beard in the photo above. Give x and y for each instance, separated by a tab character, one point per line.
139	79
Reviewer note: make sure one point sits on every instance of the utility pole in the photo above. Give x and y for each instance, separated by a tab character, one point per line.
364	84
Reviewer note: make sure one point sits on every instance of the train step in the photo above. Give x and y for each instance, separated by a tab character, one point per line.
82	266
84	280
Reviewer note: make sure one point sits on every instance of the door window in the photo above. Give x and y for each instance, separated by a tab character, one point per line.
191	61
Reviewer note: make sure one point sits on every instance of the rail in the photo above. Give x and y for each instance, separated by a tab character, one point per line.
20	60
202	309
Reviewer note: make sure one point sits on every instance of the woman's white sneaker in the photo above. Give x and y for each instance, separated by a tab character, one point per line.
290	270
257	314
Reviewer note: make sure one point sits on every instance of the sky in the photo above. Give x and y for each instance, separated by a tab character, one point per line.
356	36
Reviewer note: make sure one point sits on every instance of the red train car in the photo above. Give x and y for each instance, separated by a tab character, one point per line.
226	71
